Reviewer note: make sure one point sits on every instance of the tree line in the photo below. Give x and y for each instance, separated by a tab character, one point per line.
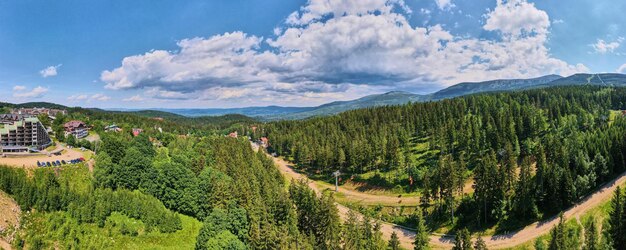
530	153
239	194
44	192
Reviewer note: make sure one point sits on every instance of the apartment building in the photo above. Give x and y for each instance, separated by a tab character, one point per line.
20	133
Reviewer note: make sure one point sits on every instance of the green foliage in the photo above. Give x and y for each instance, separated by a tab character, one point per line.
480	244
421	233
225	240
557	237
71	140
61	230
463	240
45	192
394	241
317	218
565	132
200	176
229	228
361	234
617	220
591	236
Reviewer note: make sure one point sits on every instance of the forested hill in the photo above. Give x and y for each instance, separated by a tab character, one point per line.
461	89
530	153
386	99
33	105
616	80
467	88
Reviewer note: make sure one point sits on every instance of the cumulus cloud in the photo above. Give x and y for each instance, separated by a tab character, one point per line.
444	4
77	97
22	92
604	47
49	71
88	97
517	18
100	97
334	48
135	98
19	88
622	69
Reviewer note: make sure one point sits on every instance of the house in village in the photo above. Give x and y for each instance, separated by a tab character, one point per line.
76	128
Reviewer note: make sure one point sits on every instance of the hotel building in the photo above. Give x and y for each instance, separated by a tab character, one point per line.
22	133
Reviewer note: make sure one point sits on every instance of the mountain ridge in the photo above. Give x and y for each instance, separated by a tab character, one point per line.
273	112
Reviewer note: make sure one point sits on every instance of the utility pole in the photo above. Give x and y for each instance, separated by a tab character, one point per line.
336	174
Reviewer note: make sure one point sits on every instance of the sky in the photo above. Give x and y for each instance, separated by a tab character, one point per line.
237	53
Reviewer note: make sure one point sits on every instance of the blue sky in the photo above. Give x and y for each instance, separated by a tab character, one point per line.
203	54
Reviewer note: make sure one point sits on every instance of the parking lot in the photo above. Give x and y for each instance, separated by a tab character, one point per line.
31	160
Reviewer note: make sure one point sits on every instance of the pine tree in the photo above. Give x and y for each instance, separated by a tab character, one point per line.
591	236
421	233
480	244
557	240
524	201
616	220
394	242
352	232
463	240
378	243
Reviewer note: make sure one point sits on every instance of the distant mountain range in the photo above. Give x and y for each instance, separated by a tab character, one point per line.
270	113
400	97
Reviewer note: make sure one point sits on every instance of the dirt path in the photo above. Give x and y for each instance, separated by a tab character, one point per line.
5	245
9	218
361	197
494	242
406	236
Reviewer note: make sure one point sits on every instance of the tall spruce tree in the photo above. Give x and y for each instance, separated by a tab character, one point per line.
421	233
557	236
480	244
591	236
616	220
463	240
394	241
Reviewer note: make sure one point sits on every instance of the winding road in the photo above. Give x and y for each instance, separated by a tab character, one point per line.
509	240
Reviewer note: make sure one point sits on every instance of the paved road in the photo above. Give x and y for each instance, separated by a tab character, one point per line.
494	242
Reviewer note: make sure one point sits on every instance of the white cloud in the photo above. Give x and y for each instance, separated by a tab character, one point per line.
604	47
338	48
135	98
88	97
622	69
558	21
19	88
100	97
444	4
315	10
49	71
517	18
77	98
21	92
